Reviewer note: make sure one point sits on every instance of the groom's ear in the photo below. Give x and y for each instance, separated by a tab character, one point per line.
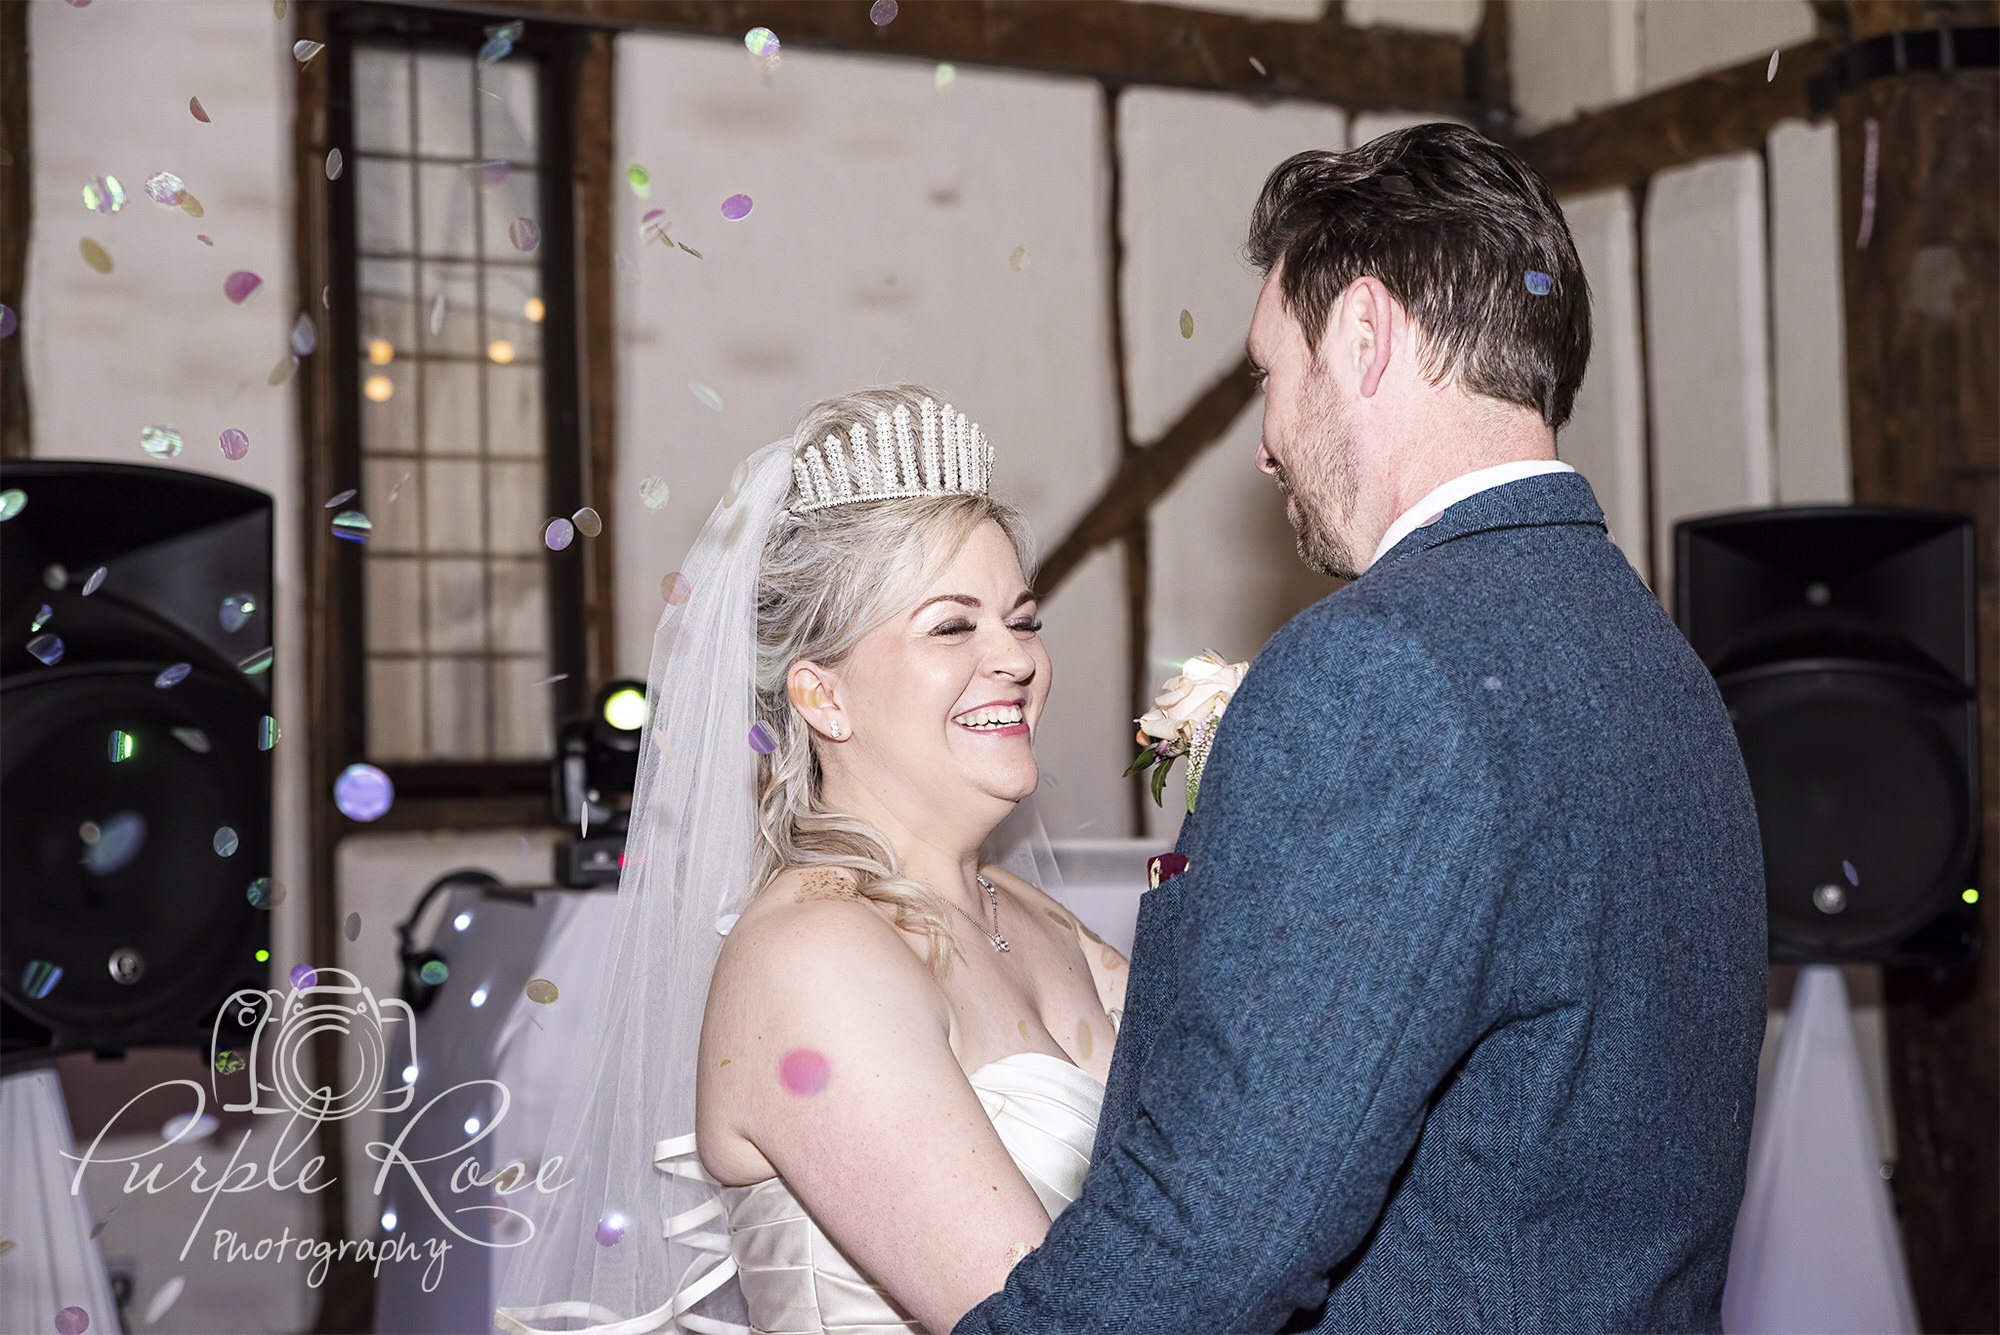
1364	320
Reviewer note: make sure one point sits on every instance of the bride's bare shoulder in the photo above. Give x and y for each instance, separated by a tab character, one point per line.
810	928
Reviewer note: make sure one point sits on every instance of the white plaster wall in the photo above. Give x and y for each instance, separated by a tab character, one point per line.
1224	571
1368	125
1679	39
1606	436
155	341
1459	18
886	212
1808	316
1571	55
1707	346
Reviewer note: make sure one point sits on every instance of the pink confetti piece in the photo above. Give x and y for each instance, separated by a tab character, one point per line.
239	286
525	233
195	109
676	589
203	239
805	1071
73	1320
736	208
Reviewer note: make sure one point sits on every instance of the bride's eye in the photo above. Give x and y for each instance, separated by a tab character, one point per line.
1028	626
955	626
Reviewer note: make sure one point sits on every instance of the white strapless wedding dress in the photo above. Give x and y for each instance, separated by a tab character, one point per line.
797	1282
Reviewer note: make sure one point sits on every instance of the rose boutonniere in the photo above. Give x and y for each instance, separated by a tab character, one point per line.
1183	720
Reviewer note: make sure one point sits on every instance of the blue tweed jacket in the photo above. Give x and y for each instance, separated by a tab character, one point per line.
1452	1022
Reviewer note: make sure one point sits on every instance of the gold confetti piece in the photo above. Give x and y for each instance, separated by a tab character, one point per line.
1084	1041
283	370
1019	259
96	256
689	249
540	991
6	1245
1187	324
727	1060
190	205
1022	1025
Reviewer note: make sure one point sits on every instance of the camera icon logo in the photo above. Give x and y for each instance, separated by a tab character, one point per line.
335	1001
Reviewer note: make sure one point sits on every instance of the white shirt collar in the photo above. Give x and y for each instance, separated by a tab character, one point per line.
1440	499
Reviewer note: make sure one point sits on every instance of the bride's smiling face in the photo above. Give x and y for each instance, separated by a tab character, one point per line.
942	701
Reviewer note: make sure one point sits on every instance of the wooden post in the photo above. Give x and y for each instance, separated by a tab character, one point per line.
1922	277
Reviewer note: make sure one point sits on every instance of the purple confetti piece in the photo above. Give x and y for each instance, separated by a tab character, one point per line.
304	977
363	793
761	740
882	13
1539	283
172	676
9	321
736	208
525	233
235	444
559	534
48	648
611	1230
239	286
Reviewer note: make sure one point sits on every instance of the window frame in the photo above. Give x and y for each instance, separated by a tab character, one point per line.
476	793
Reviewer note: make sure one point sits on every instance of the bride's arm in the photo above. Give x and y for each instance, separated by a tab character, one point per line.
829	1045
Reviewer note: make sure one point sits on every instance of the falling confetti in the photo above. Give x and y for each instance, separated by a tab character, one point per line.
540	991
333	164
705	394
165	188
72	1320
169	1293
41	618
434	972
652	490
559	534
95	582
882	13
499	42
119	840
303	977
55	576
804	1071
640	181
761	740
203	239
340	498
228	1063
653	227
437	316
725	922
1539	283
1022	1025
525	233
1771	70
611	1230
674	588
761	43
736	208
363	793
196	110
353	526
194	739
252	664
553	678
588	522
9	321
235	444
1084	1040
1868	158
738	479
283	370
95	256
351	929
1853	876
305	336
946	73
689	249
397	490
488	172
1018	260
225	842
239	286
1187	324
119	746
14	500
305	51
40	978
171	677
162	442
103	194
1258	65
236	610
190	205
265	893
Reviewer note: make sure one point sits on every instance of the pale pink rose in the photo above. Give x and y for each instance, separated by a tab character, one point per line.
1202	691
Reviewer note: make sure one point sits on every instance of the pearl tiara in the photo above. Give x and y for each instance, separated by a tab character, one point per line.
955	455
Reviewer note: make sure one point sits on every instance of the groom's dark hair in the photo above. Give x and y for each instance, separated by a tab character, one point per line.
1462	233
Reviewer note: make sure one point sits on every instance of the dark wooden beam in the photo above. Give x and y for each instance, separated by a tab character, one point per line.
1923	339
595	179
17	214
1724	112
1117	42
1146	474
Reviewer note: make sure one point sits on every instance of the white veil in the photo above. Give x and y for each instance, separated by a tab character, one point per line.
638	1241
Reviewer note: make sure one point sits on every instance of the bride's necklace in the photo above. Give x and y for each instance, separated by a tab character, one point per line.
993	900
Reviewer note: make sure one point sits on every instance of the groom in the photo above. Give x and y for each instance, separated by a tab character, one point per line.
1452	1021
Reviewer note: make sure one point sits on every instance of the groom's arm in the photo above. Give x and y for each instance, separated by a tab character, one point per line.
1331	973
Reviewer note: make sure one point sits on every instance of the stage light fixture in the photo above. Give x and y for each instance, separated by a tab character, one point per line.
597	762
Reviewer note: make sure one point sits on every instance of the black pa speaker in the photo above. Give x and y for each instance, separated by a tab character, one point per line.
135	775
1842	640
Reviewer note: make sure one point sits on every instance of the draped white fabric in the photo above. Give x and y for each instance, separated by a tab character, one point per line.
55	1263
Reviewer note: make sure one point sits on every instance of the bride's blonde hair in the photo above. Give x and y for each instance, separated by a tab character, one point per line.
828	577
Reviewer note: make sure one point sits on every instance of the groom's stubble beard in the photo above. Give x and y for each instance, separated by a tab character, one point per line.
1323	482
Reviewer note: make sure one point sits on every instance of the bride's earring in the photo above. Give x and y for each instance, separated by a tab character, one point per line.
833	726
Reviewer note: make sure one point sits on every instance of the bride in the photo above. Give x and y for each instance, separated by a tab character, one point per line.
846	1068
